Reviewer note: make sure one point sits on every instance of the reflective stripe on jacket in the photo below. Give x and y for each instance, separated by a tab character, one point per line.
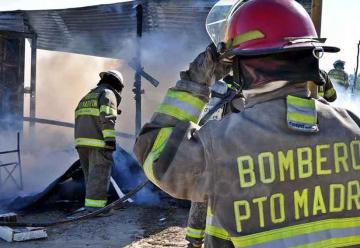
327	91
95	117
283	172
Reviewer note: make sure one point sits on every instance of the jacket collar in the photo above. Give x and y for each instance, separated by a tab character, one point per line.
271	91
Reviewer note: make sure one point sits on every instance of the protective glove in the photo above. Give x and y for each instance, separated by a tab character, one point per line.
110	145
205	66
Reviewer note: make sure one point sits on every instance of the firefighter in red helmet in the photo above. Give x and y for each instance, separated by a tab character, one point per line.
282	169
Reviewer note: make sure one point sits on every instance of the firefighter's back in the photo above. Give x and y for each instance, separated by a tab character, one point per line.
285	183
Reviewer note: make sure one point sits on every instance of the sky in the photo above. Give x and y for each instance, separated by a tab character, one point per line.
340	22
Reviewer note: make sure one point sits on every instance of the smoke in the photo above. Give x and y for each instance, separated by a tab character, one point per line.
129	175
64	78
347	99
47	151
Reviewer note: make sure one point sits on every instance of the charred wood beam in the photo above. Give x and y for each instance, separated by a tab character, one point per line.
316	11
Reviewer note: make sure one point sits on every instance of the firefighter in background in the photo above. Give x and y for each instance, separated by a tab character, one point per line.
283	169
95	118
338	74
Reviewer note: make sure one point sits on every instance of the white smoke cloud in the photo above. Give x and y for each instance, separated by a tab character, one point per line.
64	78
347	99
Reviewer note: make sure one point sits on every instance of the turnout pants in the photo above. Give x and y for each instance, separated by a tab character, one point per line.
195	231
96	165
196	225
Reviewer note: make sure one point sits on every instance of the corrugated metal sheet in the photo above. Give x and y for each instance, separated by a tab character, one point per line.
93	30
175	15
307	5
99	30
13	21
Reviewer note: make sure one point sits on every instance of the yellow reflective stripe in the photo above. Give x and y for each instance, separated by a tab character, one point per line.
87	111
330	92
195	233
308	119
301	102
291	231
186	97
108	110
214	230
209	212
244	37
333	242
91	95
89	142
148	168
176	112
155	152
109	133
321	91
95	203
217	232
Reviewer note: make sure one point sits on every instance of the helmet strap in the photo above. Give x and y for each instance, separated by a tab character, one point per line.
237	72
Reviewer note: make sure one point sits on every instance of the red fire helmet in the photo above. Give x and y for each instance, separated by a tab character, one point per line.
260	27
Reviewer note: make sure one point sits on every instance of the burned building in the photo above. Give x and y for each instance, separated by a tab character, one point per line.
84	31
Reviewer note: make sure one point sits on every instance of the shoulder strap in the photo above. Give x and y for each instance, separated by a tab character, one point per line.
228	98
354	117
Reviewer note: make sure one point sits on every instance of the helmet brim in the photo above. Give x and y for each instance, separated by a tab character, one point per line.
102	74
273	50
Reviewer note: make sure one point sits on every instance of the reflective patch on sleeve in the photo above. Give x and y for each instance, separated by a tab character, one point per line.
155	153
181	105
301	114
108	110
87	111
89	142
109	133
330	92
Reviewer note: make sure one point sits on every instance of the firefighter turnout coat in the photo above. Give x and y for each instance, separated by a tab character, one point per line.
282	172
95	117
339	76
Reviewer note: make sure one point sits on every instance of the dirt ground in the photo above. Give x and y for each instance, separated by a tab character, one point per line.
133	227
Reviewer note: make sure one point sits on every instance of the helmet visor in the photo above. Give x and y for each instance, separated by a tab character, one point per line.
216	20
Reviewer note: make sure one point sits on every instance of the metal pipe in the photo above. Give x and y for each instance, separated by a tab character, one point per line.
33	79
19	161
137	83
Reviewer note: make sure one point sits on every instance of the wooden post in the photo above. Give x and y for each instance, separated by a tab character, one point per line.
316	11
